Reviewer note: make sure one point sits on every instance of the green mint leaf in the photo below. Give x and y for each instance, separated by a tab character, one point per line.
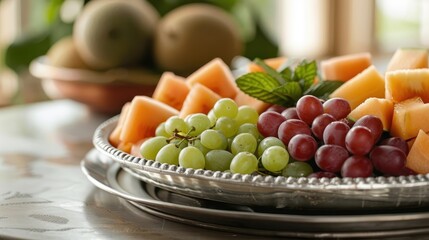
291	90
260	85
323	88
269	70
305	73
287	74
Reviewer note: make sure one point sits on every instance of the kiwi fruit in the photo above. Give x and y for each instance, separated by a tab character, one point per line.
63	53
112	33
192	35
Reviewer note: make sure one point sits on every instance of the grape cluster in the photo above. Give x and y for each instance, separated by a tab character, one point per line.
318	134
226	139
313	139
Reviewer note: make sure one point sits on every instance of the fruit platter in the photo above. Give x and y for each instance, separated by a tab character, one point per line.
283	133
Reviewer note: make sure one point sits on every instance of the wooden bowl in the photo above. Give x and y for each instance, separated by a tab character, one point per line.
102	91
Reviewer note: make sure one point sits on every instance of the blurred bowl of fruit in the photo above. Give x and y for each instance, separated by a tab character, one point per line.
119	48
106	60
102	91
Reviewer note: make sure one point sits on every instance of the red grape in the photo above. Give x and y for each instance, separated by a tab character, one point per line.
302	147
337	107
407	172
373	123
320	123
388	159
331	158
322	175
357	166
276	108
308	108
396	142
359	140
290	113
335	133
290	128
269	122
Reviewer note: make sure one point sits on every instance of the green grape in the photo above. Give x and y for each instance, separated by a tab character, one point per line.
246	114
244	163
199	122
197	143
249	128
244	142
218	160
160	130
269	142
176	123
212	117
192	157
297	169
168	154
227	126
225	107
150	148
275	158
213	139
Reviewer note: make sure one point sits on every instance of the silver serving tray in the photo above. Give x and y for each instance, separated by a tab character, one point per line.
339	194
109	176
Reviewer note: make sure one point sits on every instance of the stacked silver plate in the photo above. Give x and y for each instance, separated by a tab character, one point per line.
276	206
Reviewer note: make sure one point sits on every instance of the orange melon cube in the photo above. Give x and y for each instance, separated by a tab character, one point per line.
418	157
275	63
243	99
125	147
200	99
144	116
379	107
409	83
409	117
115	134
408	59
217	76
368	83
344	68
171	89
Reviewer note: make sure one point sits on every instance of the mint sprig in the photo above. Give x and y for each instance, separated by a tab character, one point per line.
285	87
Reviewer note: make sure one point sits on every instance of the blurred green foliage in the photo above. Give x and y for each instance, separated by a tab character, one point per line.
26	48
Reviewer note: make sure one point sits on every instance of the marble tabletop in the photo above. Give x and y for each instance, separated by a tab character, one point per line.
45	195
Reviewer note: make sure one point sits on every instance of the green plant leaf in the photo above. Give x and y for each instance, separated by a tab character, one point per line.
305	73
271	71
323	88
260	85
291	90
287	74
297	82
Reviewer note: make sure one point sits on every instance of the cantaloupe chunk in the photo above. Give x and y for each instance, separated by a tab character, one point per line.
379	107
409	117
171	89
200	99
243	99
217	76
368	83
275	63
409	83
418	157
408	59
144	116
344	68
114	135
